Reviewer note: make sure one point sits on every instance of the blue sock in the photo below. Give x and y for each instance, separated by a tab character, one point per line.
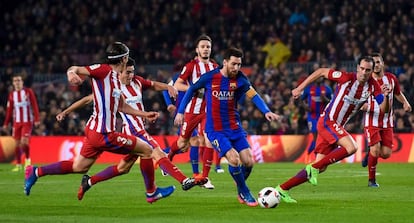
246	171
237	173
311	147
194	159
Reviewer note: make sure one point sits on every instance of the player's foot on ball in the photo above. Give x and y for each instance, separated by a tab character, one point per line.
84	186
284	194
160	192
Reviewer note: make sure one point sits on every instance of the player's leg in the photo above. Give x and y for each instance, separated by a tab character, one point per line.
17	135
194	153
207	157
25	143
80	165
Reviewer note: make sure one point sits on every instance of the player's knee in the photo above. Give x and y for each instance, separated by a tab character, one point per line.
385	154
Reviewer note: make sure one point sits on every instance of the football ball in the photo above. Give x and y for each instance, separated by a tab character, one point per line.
268	197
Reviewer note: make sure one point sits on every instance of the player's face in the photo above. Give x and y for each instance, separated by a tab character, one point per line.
378	65
127	75
18	83
364	71
204	49
233	66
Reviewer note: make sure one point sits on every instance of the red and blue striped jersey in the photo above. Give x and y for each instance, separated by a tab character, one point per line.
314	94
221	95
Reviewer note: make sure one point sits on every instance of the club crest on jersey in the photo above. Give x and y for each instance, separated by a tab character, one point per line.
116	93
233	86
223	95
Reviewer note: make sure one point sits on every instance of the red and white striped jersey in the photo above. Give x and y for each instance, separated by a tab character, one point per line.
374	116
106	89
349	96
22	106
191	73
133	97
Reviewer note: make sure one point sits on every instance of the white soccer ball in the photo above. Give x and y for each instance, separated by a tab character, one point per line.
268	197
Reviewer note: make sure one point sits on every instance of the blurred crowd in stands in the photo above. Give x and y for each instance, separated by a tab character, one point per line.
283	41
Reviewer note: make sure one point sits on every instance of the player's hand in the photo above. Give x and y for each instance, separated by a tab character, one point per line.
407	107
60	117
171	108
152	116
74	78
179	119
270	116
172	91
386	90
296	93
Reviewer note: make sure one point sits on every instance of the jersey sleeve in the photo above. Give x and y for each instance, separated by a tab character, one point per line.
98	71
186	71
397	88
339	76
145	83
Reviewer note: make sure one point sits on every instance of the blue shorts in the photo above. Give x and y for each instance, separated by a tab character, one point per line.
223	141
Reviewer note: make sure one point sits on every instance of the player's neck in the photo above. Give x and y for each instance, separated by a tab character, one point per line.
204	60
378	75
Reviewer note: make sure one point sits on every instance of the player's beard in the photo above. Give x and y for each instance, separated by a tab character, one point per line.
205	58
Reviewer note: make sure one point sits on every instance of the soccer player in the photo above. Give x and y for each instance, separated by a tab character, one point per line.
22	107
333	142
194	142
100	129
223	88
195	111
378	124
315	97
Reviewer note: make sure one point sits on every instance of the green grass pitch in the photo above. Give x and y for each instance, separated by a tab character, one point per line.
342	195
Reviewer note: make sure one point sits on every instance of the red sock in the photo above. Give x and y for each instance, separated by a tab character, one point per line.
332	157
26	151
372	166
300	178
208	156
216	158
171	169
18	155
147	170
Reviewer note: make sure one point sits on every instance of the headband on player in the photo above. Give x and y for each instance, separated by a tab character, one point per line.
118	56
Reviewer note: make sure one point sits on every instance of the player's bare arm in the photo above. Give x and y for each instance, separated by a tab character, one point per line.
74	73
78	104
320	72
181	85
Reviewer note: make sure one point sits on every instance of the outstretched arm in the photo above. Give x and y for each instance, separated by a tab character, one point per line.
78	104
320	72
406	105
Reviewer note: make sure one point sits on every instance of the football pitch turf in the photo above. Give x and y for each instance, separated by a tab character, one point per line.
342	195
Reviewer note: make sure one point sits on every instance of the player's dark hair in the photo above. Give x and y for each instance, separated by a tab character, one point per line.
232	51
367	59
115	52
130	62
202	37
375	54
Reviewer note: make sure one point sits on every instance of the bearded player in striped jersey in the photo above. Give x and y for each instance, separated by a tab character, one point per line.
379	125
334	143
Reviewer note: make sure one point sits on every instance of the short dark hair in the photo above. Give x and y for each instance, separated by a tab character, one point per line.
367	59
130	62
202	37
115	52
376	54
232	51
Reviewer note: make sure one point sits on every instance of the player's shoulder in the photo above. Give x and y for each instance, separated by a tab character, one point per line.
390	75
